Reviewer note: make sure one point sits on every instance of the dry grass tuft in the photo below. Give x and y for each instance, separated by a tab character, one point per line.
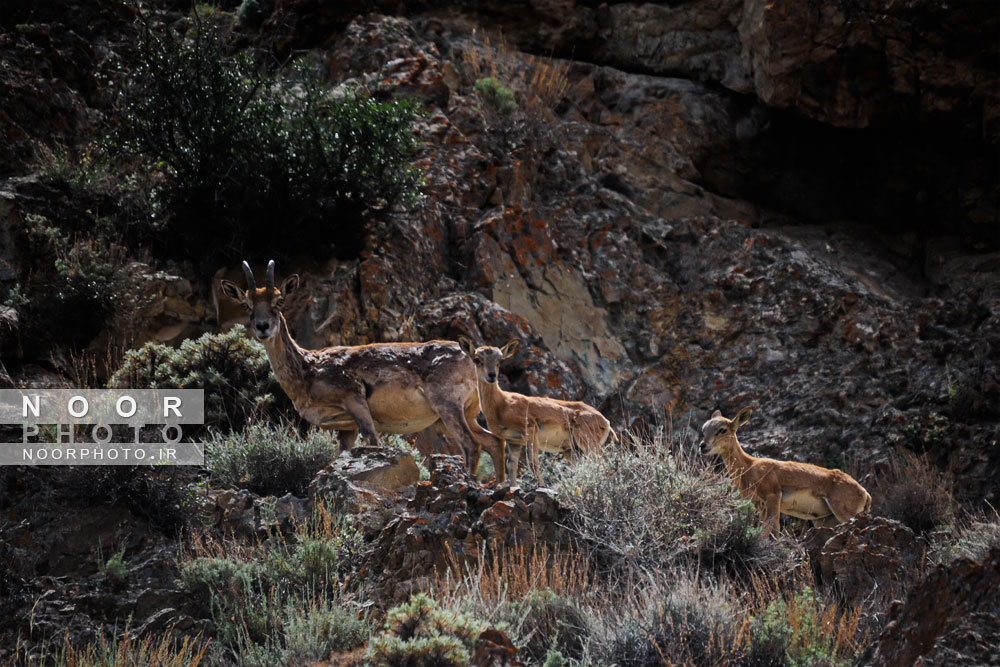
540	82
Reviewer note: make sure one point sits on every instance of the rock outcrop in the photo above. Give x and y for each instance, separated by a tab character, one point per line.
453	522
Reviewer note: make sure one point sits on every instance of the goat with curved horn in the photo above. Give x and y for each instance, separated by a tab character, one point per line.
251	283
387	387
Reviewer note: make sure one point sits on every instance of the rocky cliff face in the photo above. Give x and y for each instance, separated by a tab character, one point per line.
785	205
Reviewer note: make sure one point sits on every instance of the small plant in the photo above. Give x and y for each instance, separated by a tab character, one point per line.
498	98
420	633
115	570
269	460
232	369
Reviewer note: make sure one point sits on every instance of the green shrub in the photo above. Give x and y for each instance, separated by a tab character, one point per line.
240	149
497	97
157	494
278	606
543	622
254	12
738	543
232	369
791	633
420	633
115	570
269	460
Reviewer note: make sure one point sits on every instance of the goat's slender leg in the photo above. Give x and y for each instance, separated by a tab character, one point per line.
494	446
454	422
357	407
347	439
772	514
513	459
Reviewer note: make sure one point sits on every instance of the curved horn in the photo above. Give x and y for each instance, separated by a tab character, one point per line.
251	283
270	276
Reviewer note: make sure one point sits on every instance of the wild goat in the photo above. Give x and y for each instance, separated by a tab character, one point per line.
387	387
546	424
776	487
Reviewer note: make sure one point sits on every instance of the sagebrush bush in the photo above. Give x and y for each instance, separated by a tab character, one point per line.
232	368
972	540
420	633
253	162
269	460
542	623
792	633
691	626
644	507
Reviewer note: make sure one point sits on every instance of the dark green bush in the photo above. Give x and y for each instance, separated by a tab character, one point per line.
157	494
419	633
91	282
270	461
252	162
232	369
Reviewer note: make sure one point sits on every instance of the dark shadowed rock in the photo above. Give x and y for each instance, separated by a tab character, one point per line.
952	617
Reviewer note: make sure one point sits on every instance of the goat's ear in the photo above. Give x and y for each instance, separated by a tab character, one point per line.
289	284
741	417
717	413
233	291
510	348
467	345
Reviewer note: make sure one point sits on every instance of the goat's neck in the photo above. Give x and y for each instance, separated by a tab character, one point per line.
491	397
737	461
286	357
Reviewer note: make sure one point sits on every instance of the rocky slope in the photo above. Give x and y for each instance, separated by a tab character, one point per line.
792	206
657	229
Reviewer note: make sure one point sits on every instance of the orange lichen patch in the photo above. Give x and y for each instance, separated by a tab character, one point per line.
553	380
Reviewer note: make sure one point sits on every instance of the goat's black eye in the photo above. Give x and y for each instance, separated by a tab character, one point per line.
246	306
722	430
478	362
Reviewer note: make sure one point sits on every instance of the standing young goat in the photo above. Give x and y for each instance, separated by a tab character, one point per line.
546	424
776	487
388	387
